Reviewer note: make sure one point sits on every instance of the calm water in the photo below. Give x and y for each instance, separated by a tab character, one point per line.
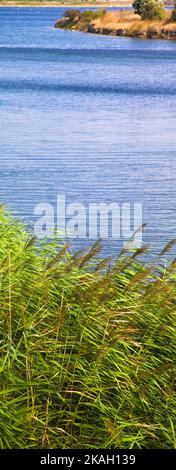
91	117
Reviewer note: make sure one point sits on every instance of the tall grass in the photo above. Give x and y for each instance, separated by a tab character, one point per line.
87	350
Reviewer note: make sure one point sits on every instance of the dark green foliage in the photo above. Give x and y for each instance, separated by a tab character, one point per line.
74	19
87	350
152	10
72	14
137	5
89	15
149	9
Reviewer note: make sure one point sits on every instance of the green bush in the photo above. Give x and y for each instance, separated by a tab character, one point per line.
149	9
72	14
100	13
90	15
87	349
152	10
137	5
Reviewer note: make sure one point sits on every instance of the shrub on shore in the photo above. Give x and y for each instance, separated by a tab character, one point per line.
72	14
75	19
137	5
152	10
87	350
149	9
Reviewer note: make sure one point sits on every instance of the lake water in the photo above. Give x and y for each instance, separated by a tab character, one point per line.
91	117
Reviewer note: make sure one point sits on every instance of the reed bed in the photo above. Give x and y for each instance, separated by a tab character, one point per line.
87	347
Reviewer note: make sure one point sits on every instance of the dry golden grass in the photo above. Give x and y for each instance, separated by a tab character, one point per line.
131	24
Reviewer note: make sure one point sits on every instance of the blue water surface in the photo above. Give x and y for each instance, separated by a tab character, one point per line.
91	117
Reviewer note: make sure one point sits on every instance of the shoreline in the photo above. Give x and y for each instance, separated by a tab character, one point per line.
118	23
54	4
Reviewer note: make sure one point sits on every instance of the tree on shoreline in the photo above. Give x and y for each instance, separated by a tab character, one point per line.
152	10
137	5
149	9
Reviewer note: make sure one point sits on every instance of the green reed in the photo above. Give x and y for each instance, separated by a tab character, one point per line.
87	347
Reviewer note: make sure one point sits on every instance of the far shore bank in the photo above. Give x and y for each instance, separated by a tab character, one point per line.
118	23
120	3
67	4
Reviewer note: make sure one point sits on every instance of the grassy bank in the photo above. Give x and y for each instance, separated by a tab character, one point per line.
61	3
119	23
87	351
69	3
